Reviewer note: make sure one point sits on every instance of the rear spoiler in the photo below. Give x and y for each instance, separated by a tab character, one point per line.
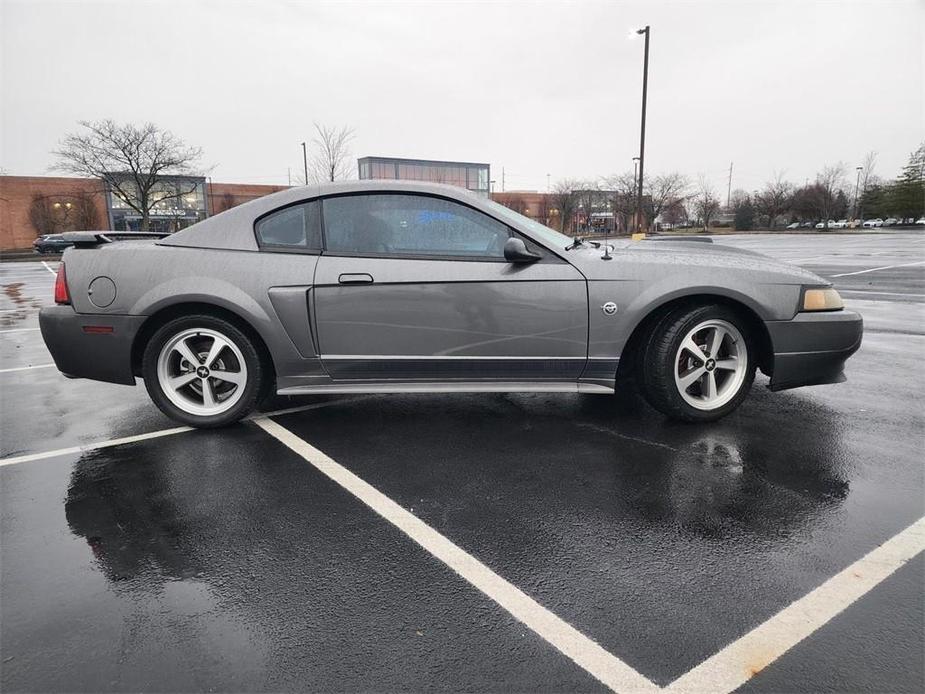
685	237
91	239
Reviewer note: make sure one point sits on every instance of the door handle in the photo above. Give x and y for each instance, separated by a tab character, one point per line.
355	278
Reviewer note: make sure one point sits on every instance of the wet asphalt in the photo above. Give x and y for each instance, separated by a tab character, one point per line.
222	561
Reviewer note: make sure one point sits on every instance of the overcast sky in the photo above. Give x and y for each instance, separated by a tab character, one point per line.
537	88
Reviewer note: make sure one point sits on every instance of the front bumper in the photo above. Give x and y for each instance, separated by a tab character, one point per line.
101	356
811	349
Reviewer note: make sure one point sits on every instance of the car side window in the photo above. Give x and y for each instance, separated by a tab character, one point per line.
410	225
296	228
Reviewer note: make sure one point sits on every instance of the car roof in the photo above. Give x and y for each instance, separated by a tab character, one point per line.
234	228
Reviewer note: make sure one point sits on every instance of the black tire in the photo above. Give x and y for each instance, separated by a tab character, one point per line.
659	362
254	388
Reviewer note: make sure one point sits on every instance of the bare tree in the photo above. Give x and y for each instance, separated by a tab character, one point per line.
664	191
50	215
829	183
589	198
564	198
706	203
330	156
865	180
775	199
132	161
622	191
675	213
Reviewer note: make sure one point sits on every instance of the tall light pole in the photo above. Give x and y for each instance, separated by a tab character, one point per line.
642	129
635	188
305	162
857	185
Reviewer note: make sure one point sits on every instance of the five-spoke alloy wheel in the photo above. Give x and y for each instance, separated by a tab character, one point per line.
711	364
202	370
697	364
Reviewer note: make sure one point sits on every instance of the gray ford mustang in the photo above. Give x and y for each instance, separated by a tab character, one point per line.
394	287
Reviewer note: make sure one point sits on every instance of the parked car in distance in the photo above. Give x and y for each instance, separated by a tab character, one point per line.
793	225
806	225
823	225
920	221
50	243
890	221
415	287
873	223
840	224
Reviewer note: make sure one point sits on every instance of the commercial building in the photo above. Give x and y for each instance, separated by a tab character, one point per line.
182	201
474	177
34	205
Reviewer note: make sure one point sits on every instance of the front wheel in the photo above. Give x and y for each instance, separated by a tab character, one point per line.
699	363
202	371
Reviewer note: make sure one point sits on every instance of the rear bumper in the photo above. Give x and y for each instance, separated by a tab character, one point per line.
811	349
101	356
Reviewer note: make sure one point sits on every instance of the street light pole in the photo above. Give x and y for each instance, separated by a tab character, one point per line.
857	185
635	188
305	162
642	129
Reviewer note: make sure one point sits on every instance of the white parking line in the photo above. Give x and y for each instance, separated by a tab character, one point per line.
48	267
806	260
722	673
602	665
739	661
26	368
21	330
32	277
874	291
875	269
30	457
15	460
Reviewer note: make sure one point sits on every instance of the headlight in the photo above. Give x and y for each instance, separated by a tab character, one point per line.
821	300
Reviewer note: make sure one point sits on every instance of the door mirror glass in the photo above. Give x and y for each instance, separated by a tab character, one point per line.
515	251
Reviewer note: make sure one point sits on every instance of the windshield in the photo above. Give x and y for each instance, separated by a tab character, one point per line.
540	231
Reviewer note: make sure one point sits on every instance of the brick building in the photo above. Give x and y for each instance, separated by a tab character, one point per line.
32	205
529	203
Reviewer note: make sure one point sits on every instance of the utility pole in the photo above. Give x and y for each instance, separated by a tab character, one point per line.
635	187
289	175
502	179
857	185
305	162
547	183
642	129
729	186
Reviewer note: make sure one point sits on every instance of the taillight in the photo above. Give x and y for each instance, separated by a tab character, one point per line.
61	293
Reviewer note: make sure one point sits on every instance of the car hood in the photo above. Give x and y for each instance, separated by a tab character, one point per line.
676	255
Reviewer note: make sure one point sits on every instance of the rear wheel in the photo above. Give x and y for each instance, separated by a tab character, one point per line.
203	371
699	364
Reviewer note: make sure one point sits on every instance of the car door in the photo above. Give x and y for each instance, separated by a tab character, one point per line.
415	287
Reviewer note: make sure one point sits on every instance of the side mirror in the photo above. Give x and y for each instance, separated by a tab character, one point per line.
515	251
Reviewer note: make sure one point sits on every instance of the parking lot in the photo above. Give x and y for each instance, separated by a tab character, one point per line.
531	542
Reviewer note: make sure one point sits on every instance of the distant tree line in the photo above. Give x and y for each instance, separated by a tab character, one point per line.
674	199
833	196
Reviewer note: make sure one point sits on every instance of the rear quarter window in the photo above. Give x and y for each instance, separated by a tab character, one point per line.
296	229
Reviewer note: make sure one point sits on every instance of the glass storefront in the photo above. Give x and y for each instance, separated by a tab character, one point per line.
180	202
474	177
